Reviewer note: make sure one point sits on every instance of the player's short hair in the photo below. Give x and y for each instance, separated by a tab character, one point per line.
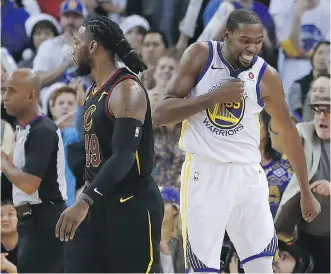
110	36
242	16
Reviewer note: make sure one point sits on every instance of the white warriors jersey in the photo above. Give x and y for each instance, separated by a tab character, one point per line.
226	132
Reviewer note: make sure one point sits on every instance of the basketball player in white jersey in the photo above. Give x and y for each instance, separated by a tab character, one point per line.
218	92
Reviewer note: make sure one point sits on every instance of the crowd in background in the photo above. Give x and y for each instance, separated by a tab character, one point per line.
38	34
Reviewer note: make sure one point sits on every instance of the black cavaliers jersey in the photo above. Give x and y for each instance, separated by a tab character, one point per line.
99	127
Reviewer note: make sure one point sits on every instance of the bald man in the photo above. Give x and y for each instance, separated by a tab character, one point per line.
37	176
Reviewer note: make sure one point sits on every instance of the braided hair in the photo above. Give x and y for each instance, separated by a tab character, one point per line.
111	37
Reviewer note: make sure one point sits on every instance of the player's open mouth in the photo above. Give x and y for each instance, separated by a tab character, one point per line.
247	58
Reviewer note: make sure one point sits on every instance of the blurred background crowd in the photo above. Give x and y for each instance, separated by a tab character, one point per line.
38	34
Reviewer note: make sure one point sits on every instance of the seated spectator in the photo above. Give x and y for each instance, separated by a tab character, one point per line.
301	87
277	167
9	237
63	108
13	36
154	44
135	28
54	61
171	245
292	259
39	28
314	235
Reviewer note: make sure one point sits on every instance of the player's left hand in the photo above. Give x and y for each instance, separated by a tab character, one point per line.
70	219
310	207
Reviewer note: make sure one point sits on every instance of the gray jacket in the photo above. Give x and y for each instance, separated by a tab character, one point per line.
285	219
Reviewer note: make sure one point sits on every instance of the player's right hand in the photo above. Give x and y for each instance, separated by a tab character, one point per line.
229	92
310	207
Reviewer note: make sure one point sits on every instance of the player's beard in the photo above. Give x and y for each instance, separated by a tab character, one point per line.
84	68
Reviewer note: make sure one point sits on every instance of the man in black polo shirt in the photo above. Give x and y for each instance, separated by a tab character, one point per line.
37	175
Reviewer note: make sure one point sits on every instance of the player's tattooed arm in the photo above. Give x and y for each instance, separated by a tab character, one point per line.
275	104
128	100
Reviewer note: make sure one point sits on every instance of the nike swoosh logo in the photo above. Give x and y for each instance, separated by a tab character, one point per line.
213	67
96	191
122	200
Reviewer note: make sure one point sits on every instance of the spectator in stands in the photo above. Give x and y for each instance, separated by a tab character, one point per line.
164	70
165	15
300	88
171	245
299	28
39	28
154	44
9	237
168	157
54	60
135	28
277	167
13	36
112	9
314	236
307	111
63	108
292	259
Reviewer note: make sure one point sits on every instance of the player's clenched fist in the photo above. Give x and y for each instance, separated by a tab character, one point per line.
229	92
310	207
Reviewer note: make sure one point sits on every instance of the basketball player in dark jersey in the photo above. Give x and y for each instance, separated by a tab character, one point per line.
118	216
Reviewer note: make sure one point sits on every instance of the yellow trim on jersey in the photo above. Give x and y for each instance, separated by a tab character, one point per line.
138	162
103	94
184	203
184	128
289	49
150	244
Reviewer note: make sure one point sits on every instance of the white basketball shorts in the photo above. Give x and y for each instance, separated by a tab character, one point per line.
224	196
